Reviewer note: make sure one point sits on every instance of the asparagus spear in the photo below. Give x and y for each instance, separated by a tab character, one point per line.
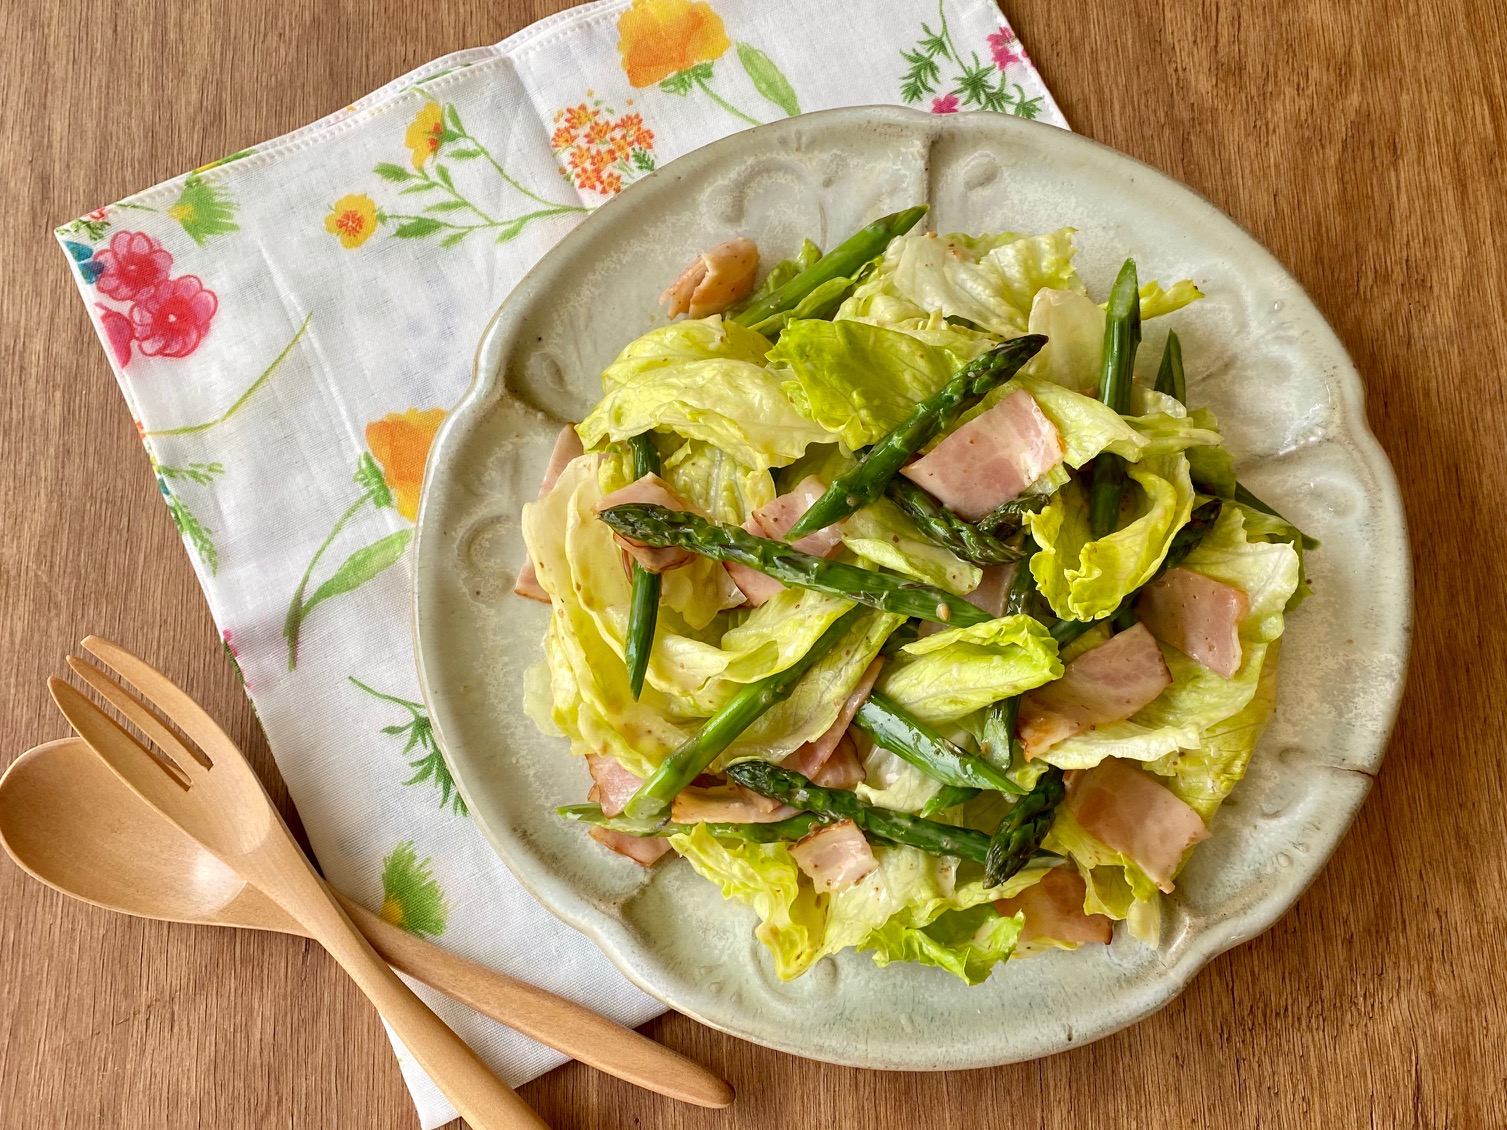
949	796
997	744
657	525
945	528
1170	379
1122	333
643	612
1006	517
935	414
1023	828
842	261
1199	523
905	735
680	768
792	828
791	788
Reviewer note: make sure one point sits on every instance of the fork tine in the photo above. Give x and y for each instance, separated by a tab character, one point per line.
162	787
185	756
172	700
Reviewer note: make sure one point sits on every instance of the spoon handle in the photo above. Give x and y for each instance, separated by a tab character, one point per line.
541	1015
483	1100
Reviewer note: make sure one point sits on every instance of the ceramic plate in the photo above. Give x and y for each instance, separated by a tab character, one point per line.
1259	353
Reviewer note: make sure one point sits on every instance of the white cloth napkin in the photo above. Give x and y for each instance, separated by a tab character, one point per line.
289	324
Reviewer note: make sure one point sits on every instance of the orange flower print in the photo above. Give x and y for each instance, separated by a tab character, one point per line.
660	38
599	151
400	441
353	218
423	134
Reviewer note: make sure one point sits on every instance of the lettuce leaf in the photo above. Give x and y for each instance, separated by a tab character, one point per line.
892	782
966	943
1155	301
946	676
1074	328
885	536
710	478
1084	578
1182	716
1114	880
858	381
703	380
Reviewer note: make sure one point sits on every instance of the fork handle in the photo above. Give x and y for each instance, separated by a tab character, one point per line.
483	1100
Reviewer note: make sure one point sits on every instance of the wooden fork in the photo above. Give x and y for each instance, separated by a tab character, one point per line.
212	794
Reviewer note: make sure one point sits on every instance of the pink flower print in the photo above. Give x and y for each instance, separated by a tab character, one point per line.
132	265
118	331
1002	46
172	318
947	104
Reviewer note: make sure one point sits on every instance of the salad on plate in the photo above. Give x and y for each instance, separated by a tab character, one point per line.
902	603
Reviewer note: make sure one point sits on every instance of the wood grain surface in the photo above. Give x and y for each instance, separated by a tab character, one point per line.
1365	149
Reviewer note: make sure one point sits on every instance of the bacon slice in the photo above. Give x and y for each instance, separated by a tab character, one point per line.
1054	909
1197	615
1127	809
757	588
1107	684
567	447
844	769
715	280
650	488
722	805
643	850
808	759
774	519
990	459
614	784
835	856
993	589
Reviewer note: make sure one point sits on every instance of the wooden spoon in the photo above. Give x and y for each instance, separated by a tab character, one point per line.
135	862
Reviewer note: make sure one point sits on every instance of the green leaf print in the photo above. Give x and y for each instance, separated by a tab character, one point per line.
360	567
412	899
204	209
200	536
975	82
418	228
419	734
390	172
768	79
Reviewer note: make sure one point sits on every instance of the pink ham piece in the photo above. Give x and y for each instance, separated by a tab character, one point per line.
715	280
1053	909
614	784
567	447
1107	684
835	856
990	459
722	805
757	588
992	590
643	850
775	518
650	488
808	759
1197	615
1127	809
843	770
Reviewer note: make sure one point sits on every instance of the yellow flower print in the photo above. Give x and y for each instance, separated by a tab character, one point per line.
353	219
659	38
400	441
423	133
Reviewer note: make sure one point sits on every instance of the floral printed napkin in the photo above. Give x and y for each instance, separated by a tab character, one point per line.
289	324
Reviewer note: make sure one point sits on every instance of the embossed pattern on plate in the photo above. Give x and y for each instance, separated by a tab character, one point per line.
1259	354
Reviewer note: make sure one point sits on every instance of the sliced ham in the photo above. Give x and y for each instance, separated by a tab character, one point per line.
722	805
1053	909
567	447
990	459
614	784
1197	615
993	589
835	856
1107	684
650	488
844	769
808	759
1127	809
756	587
775	518
715	280
643	850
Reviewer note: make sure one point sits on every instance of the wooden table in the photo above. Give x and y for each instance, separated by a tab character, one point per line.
1363	148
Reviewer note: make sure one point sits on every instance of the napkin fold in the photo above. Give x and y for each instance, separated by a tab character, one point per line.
289	324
